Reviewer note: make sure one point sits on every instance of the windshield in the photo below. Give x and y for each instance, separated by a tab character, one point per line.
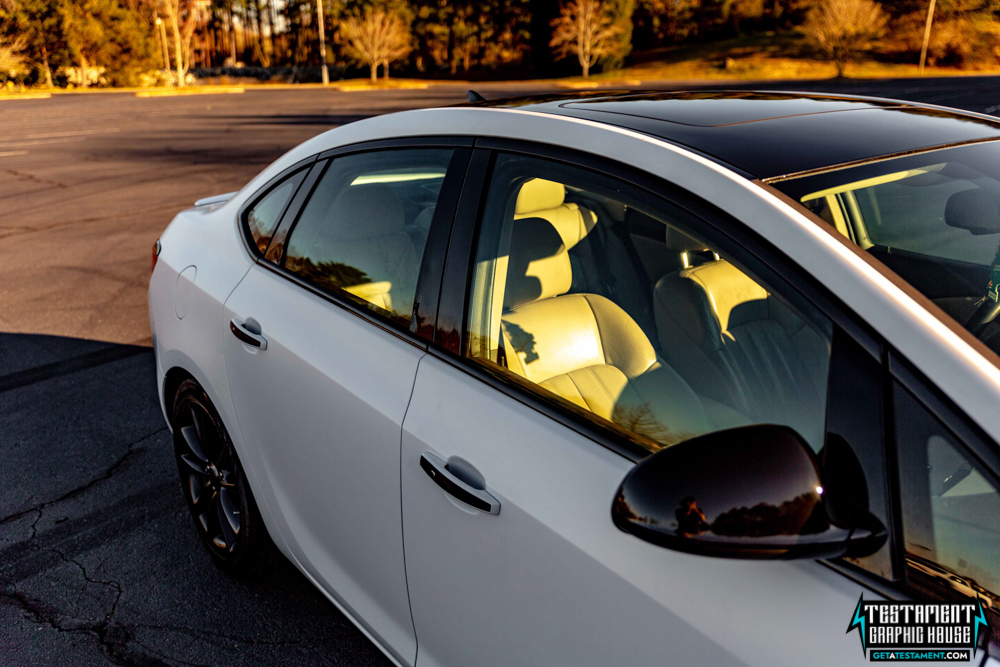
933	218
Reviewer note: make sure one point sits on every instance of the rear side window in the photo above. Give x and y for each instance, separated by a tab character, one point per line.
263	218
363	231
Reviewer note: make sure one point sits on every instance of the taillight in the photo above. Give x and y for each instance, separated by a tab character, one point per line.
156	253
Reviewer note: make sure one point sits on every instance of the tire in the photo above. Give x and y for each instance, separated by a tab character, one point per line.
215	487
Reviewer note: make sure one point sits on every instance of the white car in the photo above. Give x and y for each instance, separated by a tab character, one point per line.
620	379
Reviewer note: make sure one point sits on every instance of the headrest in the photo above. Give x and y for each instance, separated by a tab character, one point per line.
363	211
709	299
678	241
976	210
732	295
539	195
539	265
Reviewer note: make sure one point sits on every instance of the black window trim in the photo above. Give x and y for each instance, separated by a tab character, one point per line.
454	296
429	280
241	218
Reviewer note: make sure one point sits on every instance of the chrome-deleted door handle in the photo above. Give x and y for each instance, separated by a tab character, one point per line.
437	469
250	338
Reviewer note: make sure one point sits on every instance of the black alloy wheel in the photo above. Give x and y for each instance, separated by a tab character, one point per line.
214	485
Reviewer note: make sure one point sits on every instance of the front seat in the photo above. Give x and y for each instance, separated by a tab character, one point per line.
737	344
585	348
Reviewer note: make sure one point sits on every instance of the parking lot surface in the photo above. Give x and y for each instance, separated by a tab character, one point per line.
99	561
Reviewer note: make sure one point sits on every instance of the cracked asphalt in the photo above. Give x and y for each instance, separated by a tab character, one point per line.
99	561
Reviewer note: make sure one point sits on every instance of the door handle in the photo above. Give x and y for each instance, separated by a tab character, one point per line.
437	469
249	337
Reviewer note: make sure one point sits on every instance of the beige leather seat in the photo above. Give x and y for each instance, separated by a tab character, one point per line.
585	348
735	343
362	246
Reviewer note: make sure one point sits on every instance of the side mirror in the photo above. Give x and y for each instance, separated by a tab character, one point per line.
752	492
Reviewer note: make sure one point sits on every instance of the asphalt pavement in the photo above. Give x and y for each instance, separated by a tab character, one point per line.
99	560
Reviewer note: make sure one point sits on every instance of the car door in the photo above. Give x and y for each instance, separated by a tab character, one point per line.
528	413
321	360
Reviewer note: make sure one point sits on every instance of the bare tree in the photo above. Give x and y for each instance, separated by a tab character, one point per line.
589	30
843	29
375	38
11	60
182	16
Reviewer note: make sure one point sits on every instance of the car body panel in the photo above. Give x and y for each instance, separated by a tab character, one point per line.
207	240
320	412
551	580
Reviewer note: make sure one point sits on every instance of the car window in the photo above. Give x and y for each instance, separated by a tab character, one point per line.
363	231
562	301
263	218
950	506
933	218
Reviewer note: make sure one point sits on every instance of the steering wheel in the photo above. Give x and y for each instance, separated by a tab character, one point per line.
987	309
986	312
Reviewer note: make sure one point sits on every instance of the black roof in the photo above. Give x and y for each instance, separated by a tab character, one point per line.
771	134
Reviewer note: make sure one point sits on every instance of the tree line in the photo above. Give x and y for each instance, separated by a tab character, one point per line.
134	42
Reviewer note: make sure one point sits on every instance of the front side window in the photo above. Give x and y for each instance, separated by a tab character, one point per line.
933	218
591	296
950	506
263	218
363	231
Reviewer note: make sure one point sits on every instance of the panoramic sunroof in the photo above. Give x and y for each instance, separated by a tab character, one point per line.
704	109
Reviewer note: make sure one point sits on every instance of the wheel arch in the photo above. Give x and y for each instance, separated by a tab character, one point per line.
171	382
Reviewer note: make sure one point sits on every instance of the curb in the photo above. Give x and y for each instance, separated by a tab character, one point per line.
599	83
217	90
25	96
353	87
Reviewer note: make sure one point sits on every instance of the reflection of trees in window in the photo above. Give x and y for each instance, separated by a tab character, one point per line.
935	581
257	228
326	274
640	420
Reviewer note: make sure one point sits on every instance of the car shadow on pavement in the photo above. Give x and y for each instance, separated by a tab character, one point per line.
99	560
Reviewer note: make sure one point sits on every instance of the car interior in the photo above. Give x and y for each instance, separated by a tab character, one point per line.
377	262
936	226
623	314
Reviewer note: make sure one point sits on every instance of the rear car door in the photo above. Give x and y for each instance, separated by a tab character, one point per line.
563	370
322	347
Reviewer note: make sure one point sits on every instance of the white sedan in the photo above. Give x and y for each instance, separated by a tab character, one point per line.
622	379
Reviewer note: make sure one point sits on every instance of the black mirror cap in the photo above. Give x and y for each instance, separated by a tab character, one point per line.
753	492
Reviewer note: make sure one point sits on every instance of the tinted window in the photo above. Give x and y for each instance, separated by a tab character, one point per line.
363	231
950	507
263	218
932	218
563	301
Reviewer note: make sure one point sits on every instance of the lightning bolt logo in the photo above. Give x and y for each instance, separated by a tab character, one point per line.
980	620
859	622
